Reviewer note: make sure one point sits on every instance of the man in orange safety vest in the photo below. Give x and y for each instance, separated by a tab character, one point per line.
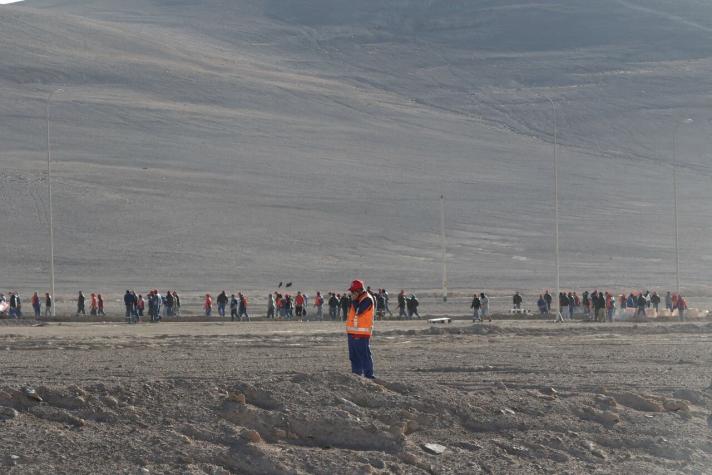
359	327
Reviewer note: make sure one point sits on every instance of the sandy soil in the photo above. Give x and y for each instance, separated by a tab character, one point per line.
515	397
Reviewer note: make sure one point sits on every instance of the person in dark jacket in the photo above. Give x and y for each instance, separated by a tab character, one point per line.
401	305
563	305
233	308
345	304
170	302
222	303
48	305
129	304
516	301
547	299
333	306
475	306
412	304
599	305
12	311
80	304
641	303
655	301
542	305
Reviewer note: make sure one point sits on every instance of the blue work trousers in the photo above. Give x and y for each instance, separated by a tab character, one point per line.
360	356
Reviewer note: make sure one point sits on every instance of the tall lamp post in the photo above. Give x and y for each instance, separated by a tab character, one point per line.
442	236
674	188
556	210
49	191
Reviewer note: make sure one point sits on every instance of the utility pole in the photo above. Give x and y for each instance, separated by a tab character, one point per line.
442	236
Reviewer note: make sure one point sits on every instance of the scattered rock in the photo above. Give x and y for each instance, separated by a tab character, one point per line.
637	402
695	397
605	402
409	458
507	411
253	436
599	453
675	405
260	397
56	414
512	449
7	413
472	446
378	463
595	451
349	406
110	401
607	418
500	385
238	398
410	427
31	394
279	433
364	470
397	429
72	398
549	391
435	449
601	390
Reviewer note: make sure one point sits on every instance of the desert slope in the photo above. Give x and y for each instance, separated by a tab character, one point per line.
243	143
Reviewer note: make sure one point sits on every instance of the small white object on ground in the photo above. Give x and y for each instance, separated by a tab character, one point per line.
440	320
32	394
435	449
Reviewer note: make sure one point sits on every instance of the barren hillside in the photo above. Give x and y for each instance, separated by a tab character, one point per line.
239	143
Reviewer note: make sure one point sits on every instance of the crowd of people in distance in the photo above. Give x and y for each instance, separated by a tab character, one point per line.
96	305
286	307
597	305
604	306
238	306
280	306
12	305
167	305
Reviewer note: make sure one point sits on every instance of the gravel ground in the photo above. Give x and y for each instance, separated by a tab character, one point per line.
515	397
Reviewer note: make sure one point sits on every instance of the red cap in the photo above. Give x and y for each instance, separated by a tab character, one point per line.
356	286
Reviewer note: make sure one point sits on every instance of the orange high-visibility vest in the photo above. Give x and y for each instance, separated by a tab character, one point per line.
361	324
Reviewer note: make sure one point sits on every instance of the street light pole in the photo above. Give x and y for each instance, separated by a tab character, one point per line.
674	188
49	191
442	235
556	211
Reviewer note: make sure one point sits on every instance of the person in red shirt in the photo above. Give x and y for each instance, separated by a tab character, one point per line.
100	305
208	305
92	310
318	304
36	305
299	305
681	306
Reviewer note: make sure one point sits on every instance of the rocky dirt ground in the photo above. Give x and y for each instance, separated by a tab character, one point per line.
216	398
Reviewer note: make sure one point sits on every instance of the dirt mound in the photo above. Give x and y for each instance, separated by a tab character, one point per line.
452	402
